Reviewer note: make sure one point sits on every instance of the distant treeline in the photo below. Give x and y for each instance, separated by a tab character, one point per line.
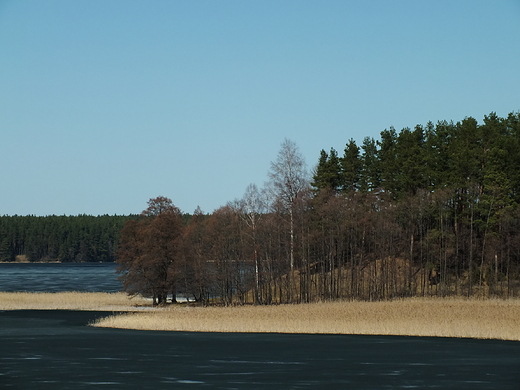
79	238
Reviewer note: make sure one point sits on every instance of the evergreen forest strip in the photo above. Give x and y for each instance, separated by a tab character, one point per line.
82	238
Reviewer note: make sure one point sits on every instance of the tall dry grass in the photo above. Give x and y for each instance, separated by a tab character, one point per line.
452	317
69	301
443	317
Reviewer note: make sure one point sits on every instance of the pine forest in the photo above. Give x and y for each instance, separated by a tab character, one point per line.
81	238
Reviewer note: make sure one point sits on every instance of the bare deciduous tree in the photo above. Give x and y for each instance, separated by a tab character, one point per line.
288	178
252	207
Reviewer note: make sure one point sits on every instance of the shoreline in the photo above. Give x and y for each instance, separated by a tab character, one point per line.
426	317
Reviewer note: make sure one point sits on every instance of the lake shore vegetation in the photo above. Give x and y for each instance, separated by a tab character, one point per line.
435	317
71	300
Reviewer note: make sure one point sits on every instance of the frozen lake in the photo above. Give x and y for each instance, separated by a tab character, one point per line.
54	350
56	277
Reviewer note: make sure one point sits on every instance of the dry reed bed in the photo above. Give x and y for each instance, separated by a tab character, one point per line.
69	301
448	317
453	317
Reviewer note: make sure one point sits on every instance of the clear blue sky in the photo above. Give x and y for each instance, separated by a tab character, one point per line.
105	104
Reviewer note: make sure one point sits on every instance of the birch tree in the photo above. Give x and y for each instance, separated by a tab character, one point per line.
252	207
288	178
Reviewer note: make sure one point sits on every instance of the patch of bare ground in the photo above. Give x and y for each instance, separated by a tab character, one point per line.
439	317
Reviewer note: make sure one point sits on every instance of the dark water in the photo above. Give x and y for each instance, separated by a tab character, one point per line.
56	350
55	277
53	350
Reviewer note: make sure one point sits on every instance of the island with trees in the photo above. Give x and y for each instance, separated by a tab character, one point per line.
426	211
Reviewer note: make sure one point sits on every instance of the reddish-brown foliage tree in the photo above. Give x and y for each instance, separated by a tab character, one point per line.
150	250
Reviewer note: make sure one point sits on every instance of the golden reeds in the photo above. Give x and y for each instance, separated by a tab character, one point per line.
452	317
69	301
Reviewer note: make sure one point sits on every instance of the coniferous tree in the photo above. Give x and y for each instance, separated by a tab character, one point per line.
437	145
320	177
334	170
512	154
328	171
371	168
388	161
411	159
351	166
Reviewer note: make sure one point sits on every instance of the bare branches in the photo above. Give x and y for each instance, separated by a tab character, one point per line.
288	175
